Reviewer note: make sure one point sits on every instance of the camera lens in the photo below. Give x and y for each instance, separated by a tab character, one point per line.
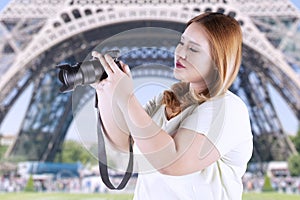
83	73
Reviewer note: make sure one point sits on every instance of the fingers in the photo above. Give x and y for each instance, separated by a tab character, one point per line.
111	63
103	62
125	69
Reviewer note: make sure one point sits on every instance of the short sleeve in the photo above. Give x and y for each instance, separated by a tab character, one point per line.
225	122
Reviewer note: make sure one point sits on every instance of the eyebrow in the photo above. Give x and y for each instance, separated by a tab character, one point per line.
195	43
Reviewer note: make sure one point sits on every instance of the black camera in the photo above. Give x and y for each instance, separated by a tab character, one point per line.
83	73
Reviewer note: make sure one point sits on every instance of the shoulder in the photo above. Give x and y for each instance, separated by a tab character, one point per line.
226	114
230	124
236	120
234	99
229	102
229	109
235	103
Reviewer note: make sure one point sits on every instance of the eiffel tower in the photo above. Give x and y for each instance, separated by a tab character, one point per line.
37	34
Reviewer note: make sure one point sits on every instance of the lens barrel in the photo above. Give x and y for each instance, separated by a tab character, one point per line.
83	73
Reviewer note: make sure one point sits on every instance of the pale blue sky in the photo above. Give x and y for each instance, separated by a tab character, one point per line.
290	123
3	3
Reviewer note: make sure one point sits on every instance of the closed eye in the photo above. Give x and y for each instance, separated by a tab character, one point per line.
193	50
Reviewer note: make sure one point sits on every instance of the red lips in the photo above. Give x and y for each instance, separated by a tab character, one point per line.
179	65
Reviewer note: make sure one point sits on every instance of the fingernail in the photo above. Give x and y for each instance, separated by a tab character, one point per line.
107	56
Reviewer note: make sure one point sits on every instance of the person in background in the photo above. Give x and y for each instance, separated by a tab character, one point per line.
195	138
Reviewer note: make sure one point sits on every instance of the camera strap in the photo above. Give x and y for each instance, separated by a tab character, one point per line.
103	158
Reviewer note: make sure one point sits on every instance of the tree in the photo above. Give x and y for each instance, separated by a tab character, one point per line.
267	187
3	149
30	185
294	160
294	165
296	141
73	152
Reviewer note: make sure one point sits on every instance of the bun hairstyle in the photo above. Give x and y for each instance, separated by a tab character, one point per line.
225	40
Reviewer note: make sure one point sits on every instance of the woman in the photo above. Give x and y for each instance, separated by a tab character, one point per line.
197	136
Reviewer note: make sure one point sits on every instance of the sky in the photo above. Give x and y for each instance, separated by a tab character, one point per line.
3	3
290	123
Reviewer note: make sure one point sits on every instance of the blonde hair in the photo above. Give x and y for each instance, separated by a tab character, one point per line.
225	40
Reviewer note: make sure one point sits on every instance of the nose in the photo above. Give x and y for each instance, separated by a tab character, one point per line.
180	51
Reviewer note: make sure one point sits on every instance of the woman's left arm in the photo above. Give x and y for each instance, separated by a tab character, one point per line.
187	152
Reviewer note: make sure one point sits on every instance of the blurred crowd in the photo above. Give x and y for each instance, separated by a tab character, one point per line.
89	184
93	184
255	183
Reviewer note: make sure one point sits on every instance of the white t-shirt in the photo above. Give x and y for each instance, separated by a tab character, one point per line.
225	122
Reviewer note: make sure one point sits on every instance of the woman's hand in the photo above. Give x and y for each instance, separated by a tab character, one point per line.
118	86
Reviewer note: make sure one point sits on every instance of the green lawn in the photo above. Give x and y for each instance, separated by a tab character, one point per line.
270	196
63	196
67	196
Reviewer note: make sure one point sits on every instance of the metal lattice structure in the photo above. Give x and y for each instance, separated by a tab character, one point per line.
37	34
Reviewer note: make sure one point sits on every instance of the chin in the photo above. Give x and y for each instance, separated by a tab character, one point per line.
178	77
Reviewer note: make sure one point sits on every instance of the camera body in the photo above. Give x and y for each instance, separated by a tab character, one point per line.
82	73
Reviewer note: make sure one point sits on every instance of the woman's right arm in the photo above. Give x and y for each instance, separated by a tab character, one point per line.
114	123
116	130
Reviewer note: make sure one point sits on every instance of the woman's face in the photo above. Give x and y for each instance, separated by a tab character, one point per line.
193	61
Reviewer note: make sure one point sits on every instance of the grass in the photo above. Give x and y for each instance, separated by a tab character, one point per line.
270	196
64	196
